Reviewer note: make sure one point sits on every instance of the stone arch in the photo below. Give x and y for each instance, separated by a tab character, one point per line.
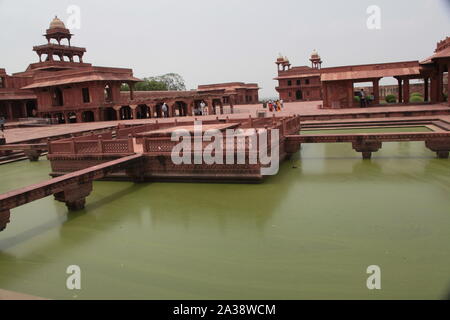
88	116
31	108
126	113
158	110
110	114
71	117
180	108
143	111
60	117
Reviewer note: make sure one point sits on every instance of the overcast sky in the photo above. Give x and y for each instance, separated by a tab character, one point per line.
210	41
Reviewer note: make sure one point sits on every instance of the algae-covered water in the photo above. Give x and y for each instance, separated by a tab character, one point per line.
308	233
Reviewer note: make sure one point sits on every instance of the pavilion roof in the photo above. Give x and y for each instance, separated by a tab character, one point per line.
85	78
369	74
445	53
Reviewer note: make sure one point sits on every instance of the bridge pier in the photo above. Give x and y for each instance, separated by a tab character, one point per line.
366	147
4	219
441	147
75	195
32	154
291	147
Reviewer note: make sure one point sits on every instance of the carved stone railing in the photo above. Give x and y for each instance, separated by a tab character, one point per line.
91	147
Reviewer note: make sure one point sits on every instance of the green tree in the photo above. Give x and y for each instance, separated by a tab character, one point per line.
147	84
169	81
173	81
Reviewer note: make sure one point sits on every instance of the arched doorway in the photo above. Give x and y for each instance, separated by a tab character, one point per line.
158	110
71	117
180	109
110	114
87	116
143	111
298	95
31	109
126	113
60	118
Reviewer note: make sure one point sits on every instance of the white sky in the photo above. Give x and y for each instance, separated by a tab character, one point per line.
209	41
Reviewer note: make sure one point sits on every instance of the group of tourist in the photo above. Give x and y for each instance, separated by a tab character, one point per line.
273	106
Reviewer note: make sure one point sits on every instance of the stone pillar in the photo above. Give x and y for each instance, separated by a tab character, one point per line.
23	109
376	91
425	89
75	195
221	107
406	91
448	84
400	90
79	116
190	109
117	113
4	219
231	104
131	86
440	83
32	154
9	110
440	146
433	88
366	147
134	111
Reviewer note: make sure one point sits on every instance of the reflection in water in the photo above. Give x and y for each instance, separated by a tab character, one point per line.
309	232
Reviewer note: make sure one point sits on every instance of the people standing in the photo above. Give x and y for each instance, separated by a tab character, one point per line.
164	110
362	98
202	107
278	105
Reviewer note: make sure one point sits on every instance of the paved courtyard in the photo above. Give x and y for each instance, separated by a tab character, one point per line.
16	135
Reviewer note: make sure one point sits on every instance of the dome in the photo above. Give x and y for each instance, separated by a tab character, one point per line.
56	23
314	54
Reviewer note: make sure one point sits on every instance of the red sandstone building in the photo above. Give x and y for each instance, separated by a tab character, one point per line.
336	85
62	86
241	93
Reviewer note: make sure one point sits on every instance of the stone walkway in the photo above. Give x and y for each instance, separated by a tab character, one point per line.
17	135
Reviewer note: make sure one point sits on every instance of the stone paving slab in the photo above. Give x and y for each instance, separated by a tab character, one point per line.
11	295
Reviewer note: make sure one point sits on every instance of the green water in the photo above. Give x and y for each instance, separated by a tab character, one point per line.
309	232
367	130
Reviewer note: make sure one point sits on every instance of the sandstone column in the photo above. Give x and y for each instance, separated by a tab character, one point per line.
406	91
400	90
376	91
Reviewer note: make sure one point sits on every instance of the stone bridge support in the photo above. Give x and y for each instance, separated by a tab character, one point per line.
33	154
441	147
4	219
366	147
75	195
291	147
